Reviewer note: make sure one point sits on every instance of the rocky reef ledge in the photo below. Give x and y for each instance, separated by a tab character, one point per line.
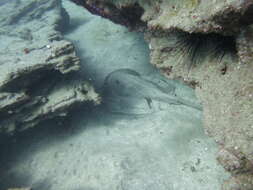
37	65
209	46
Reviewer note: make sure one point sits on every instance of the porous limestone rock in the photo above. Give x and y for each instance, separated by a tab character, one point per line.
234	162
187	15
245	44
37	65
240	182
224	88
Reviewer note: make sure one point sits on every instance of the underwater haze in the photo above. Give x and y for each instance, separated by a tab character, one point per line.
147	133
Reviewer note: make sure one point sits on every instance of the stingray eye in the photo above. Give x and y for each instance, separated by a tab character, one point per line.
117	82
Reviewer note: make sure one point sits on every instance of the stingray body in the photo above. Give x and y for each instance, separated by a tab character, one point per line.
126	91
